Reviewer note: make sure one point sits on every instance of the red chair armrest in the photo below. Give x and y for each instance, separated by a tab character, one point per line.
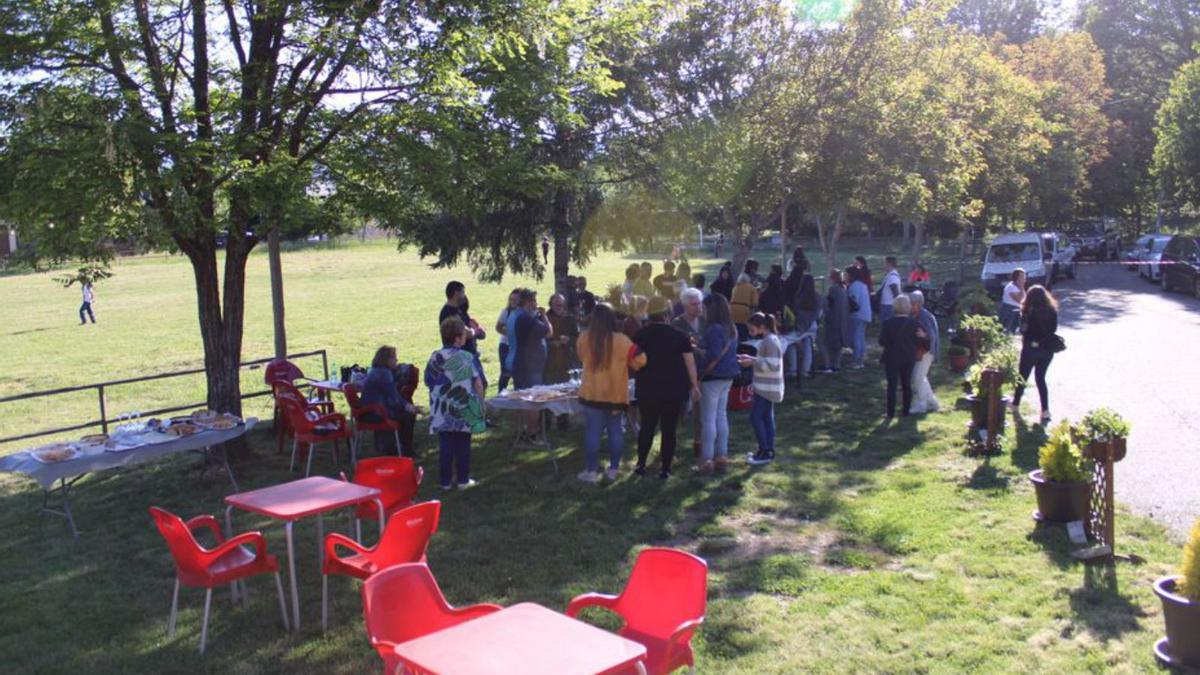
475	611
383	647
590	600
676	640
256	538
210	522
334	539
375	408
338	420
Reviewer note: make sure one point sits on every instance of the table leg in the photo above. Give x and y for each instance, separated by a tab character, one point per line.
382	516
228	469
228	521
321	539
291	551
65	490
641	668
545	417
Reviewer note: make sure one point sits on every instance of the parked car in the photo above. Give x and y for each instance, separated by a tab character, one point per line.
1152	253
1043	255
1134	253
1093	239
1180	265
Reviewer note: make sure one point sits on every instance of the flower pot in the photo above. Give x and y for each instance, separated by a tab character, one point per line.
1061	502
1182	618
973	337
979	411
959	362
1099	450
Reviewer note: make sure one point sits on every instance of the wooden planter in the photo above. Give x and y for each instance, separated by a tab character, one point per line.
973	337
1181	647
1061	502
959	362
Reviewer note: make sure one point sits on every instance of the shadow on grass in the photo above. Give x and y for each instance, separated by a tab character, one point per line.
988	478
1101	605
1030	437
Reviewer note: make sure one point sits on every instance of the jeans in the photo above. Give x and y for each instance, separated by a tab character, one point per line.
900	373
858	339
454	457
86	307
714	402
762	419
664	414
1010	317
596	421
886	312
1034	358
505	376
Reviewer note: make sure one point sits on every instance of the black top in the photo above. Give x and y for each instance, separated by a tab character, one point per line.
722	287
664	377
898	337
806	299
449	311
772	300
1038	325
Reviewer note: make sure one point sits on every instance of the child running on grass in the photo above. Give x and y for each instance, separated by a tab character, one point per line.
768	384
455	403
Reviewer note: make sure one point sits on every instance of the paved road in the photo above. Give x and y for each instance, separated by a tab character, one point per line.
1136	349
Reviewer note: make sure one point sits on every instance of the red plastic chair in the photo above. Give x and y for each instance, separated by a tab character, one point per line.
282	387
398	480
662	605
359	410
312	429
403	603
403	540
227	563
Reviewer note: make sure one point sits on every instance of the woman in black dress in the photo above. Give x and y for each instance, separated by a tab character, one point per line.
898	337
1039	325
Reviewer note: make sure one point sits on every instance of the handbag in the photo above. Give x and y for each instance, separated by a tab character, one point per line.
1055	343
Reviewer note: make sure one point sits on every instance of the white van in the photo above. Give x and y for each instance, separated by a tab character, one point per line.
1043	256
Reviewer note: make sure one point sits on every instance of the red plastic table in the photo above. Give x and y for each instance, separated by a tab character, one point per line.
525	638
298	499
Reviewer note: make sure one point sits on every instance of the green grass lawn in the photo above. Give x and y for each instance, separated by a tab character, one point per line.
868	547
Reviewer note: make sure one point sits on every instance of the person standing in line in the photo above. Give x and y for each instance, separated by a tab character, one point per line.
643	286
924	400
750	269
723	285
919	275
698	283
631	276
898	336
528	331
586	299
716	377
455	385
691	322
560	357
771	300
457	306
662	385
545	249
859	301
806	306
607	357
683	272
744	303
890	289
837	314
1010	301
89	297
502	329
664	284
768	385
865	273
1039	339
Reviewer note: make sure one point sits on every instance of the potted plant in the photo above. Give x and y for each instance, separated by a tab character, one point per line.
1005	359
1063	484
960	358
1104	429
984	333
1181	608
976	301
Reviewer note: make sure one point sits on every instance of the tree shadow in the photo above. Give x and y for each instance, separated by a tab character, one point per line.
1101	605
987	478
1029	438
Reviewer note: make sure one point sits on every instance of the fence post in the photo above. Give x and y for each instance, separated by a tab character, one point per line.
325	363
103	413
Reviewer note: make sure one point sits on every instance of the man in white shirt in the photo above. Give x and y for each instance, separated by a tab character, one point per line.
1010	301
889	290
89	296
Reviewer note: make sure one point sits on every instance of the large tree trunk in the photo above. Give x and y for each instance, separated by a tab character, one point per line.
828	234
918	240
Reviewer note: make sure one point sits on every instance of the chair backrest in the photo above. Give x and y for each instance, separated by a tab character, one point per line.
180	540
403	602
398	478
666	588
350	391
408	377
407	534
293	404
281	370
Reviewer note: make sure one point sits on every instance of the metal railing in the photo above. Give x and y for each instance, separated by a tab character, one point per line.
102	387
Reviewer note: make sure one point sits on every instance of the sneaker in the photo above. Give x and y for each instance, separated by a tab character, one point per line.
856	366
826	371
1045	417
592	477
721	465
760	457
471	482
447	488
613	473
663	475
639	471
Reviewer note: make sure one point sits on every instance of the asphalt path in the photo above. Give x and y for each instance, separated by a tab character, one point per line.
1136	349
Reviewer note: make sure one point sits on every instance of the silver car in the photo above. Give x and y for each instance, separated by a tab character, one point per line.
1133	254
1149	267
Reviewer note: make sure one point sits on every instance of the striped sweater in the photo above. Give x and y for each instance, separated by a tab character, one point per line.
768	369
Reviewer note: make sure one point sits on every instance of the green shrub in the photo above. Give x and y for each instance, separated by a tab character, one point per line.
991	333
1189	585
1103	425
1060	458
976	296
1006	359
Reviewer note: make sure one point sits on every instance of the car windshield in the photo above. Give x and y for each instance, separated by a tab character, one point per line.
1158	245
1007	253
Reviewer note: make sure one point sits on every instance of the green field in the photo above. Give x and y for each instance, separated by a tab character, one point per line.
869	547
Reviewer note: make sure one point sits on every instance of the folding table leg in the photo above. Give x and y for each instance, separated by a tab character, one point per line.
641	668
64	489
321	539
282	603
291	551
204	626
228	468
174	610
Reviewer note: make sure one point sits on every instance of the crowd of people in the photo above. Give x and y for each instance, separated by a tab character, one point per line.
684	346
